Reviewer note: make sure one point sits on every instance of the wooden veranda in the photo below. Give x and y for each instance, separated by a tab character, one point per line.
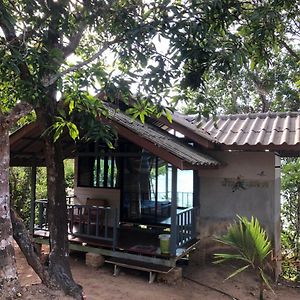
90	230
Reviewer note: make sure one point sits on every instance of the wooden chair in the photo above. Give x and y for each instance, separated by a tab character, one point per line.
88	216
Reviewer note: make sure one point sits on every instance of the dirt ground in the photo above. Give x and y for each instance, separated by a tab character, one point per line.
199	282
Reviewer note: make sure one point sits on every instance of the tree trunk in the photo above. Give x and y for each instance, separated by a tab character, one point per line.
26	245
59	267
9	282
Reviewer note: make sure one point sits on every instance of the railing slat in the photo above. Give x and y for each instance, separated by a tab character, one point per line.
76	217
81	229
97	221
88	220
106	223
185	226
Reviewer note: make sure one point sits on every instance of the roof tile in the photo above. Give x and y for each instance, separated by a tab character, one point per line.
164	140
255	129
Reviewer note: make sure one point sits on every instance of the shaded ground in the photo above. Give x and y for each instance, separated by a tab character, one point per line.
133	285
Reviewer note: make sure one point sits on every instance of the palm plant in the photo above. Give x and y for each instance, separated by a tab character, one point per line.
252	247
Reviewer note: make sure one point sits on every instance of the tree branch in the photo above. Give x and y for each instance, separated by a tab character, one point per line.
290	50
74	41
101	8
49	81
20	110
6	25
26	35
26	244
11	38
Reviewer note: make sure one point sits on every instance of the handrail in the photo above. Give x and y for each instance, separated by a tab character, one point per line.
185	223
41	201
84	220
88	205
185	210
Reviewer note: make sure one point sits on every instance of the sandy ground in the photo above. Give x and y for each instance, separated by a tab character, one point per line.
133	285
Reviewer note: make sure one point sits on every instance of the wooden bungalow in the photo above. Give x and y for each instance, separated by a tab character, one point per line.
186	179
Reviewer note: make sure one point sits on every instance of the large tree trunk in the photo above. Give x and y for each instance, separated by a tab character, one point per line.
59	267
9	282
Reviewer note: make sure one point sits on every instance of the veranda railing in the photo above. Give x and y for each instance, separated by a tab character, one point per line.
90	221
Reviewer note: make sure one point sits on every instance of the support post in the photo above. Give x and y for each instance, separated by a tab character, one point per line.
156	188
167	181
174	212
196	189
116	270
115	228
196	203
33	198
152	276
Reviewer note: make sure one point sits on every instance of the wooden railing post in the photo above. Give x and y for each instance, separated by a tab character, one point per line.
32	200
173	241
115	229
193	222
41	212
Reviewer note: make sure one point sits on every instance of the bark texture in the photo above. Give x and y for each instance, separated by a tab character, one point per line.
9	281
59	268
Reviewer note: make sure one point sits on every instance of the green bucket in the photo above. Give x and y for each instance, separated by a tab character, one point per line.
164	243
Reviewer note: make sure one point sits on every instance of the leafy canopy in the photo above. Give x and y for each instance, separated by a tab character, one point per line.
149	47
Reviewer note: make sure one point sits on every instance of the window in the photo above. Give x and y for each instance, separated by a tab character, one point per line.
97	170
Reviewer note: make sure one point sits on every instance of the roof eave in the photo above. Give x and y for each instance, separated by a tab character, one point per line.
157	149
282	148
206	142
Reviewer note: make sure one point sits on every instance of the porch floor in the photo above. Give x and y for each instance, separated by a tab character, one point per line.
136	241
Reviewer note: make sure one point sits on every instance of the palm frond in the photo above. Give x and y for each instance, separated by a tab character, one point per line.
251	244
265	279
221	257
236	272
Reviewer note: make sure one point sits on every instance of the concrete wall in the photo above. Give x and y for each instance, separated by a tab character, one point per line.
112	196
248	185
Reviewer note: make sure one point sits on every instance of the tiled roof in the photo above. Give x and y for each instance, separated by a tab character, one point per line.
164	140
185	121
255	129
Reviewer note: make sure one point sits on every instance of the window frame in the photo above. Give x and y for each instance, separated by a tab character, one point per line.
108	167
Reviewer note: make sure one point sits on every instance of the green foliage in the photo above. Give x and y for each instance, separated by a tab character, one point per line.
20	187
256	67
69	176
59	126
252	247
153	48
290	213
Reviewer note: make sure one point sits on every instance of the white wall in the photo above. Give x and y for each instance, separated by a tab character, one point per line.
246	185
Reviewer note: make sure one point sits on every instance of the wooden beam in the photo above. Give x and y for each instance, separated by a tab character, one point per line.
110	154
151	147
272	148
196	189
25	154
188	133
28	162
110	253
27	130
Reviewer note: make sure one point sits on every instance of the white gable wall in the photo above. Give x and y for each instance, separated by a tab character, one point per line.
248	185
